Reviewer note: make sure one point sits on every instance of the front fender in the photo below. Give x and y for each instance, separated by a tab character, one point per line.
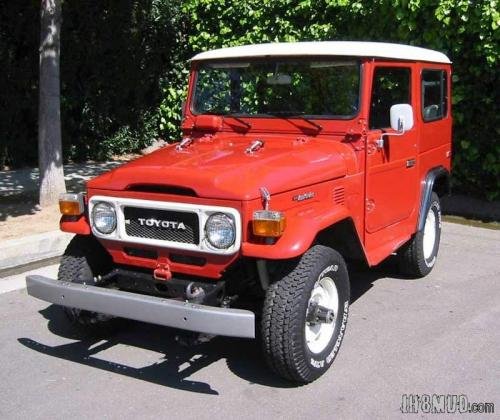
302	227
75	224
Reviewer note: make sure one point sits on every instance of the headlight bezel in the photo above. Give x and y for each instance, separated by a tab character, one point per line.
229	218
111	208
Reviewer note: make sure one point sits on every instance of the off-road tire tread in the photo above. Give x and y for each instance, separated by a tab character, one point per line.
82	253
281	317
411	255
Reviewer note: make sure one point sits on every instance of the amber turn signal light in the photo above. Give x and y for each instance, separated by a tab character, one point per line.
268	223
71	204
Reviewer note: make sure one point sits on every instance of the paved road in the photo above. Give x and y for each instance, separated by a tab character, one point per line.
435	335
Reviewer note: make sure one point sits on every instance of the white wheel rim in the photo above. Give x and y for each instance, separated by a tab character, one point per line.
318	335
429	234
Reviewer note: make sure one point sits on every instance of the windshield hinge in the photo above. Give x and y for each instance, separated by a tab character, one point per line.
254	146
185	142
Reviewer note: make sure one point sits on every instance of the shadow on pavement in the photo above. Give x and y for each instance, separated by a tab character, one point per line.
18	205
19	188
363	278
243	357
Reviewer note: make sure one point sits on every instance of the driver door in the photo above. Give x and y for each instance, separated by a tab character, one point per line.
391	160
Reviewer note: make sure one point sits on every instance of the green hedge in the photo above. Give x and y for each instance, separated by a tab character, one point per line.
124	72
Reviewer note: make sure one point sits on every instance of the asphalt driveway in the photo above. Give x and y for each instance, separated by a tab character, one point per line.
438	335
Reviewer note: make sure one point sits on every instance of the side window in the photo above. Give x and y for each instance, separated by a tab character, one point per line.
391	85
434	94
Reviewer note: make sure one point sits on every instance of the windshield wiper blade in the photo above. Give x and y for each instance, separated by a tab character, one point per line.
246	124
289	114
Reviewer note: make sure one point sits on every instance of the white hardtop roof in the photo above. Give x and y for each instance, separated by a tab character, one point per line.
327	48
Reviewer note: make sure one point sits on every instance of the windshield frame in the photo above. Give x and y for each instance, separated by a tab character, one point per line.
280	59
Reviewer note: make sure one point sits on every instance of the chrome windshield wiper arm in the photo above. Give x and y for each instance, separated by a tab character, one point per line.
289	114
313	123
240	120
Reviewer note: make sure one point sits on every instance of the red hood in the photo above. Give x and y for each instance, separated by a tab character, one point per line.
220	168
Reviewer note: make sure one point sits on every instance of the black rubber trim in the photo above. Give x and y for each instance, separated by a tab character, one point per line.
428	187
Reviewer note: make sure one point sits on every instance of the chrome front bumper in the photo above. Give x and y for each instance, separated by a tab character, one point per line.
155	310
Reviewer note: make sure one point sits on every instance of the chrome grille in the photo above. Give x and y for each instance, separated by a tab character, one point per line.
143	223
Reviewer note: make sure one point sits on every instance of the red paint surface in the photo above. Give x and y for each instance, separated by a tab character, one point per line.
380	193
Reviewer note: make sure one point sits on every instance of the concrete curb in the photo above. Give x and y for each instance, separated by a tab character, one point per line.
28	249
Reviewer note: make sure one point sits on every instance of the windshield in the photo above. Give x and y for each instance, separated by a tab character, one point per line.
323	89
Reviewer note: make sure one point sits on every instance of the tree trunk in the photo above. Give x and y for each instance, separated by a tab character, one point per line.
49	116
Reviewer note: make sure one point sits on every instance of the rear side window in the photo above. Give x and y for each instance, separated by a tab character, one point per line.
434	95
391	85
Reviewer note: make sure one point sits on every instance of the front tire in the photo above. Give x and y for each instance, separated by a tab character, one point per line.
84	260
298	345
418	257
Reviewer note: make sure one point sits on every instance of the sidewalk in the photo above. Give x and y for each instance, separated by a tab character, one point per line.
23	181
28	233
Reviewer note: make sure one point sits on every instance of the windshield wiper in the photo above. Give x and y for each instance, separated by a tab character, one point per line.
246	124
297	114
241	121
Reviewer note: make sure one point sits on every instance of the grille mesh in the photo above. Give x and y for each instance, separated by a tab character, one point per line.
168	232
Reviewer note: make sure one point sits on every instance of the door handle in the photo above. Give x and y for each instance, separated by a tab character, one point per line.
410	163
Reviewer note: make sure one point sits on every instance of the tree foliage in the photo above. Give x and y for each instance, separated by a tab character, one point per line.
124	73
116	60
19	42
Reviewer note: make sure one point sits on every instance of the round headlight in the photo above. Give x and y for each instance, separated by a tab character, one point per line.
220	230
104	218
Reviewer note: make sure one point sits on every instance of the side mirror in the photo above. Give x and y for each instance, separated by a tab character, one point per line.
401	117
401	121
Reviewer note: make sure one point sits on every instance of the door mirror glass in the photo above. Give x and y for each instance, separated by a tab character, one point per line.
401	117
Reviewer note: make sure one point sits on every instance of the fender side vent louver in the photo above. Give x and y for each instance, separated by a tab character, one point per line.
162	189
339	195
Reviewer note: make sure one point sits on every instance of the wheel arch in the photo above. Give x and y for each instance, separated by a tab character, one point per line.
437	180
299	235
343	237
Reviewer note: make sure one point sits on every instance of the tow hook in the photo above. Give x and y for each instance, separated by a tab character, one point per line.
162	272
318	314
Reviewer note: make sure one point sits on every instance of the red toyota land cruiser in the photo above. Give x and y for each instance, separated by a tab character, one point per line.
295	158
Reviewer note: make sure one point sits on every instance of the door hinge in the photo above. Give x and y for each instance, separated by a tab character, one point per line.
370	205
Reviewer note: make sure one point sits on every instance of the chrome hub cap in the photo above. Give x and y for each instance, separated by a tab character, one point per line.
319	332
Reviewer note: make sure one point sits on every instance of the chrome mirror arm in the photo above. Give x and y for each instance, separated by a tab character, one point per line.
380	141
